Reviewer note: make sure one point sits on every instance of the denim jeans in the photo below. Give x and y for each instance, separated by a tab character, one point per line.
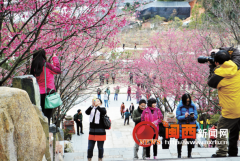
115	96
106	103
91	144
129	96
99	96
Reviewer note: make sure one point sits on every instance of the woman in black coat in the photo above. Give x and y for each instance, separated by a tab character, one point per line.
97	131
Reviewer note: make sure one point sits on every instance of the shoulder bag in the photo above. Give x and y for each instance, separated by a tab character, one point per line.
51	100
106	122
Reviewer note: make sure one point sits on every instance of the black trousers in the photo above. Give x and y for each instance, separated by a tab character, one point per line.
189	146
79	124
113	79
233	140
165	143
46	112
131	80
154	149
131	112
122	114
213	144
126	119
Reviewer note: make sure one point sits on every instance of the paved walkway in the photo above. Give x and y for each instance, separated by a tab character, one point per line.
119	143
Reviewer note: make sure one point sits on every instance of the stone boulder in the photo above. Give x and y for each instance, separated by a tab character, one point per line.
22	137
68	148
44	123
30	85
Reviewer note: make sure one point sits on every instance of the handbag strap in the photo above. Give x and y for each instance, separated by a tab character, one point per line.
45	78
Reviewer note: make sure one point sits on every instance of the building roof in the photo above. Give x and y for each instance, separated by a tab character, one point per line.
164	4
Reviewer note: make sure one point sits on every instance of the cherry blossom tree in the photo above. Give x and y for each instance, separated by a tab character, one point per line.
224	13
28	25
169	68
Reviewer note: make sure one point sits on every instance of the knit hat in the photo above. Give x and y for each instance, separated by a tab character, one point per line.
151	101
142	101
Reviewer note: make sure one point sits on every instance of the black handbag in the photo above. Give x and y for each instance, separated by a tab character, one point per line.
161	130
106	122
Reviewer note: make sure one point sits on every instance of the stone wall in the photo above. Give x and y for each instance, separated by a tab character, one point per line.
30	85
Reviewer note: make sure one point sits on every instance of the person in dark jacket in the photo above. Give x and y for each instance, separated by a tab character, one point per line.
131	109
113	77
101	78
186	114
97	131
131	77
127	114
78	117
137	119
99	93
108	92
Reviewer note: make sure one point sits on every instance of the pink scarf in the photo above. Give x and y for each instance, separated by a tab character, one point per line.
152	117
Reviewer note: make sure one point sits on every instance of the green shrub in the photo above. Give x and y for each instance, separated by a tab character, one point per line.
214	118
67	134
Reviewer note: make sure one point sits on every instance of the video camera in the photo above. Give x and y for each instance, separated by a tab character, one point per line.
233	52
205	59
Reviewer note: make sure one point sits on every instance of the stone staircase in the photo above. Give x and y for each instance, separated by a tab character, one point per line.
163	154
119	144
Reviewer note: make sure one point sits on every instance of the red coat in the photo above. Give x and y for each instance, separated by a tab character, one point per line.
122	108
106	75
129	90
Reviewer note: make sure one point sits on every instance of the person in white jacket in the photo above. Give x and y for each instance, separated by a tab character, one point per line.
106	99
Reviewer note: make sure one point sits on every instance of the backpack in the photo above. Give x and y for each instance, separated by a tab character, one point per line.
170	118
75	117
106	122
234	54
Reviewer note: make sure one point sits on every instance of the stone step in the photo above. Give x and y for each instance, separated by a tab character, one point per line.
127	154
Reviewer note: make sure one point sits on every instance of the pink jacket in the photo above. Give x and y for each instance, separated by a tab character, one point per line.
156	118
50	71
